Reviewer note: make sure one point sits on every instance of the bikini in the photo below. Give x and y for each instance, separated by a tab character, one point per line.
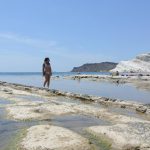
47	72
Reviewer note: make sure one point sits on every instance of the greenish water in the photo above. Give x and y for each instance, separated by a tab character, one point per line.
9	128
10	131
77	123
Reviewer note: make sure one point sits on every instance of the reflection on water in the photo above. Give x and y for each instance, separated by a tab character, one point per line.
112	90
105	89
77	122
4	102
9	128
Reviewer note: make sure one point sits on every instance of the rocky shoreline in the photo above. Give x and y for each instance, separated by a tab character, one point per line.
141	81
102	100
127	120
123	78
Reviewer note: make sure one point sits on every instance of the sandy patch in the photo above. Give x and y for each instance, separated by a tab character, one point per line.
25	110
39	111
125	136
47	137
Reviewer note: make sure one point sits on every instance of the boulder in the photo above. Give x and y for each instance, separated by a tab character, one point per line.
48	137
132	136
141	109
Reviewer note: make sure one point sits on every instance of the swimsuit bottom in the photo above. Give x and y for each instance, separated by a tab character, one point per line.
47	73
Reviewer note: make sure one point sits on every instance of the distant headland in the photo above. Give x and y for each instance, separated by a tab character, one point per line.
95	67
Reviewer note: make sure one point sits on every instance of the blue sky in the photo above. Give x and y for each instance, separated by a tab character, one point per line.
71	32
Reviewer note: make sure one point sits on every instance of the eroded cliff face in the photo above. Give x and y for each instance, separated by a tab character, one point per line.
144	57
140	64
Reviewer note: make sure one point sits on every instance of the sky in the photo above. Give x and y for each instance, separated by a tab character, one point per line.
71	32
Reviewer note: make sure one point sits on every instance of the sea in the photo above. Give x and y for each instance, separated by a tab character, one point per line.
105	89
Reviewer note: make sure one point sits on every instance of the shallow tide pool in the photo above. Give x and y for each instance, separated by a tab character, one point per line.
11	130
105	89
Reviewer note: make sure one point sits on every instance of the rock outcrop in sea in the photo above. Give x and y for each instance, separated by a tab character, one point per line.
139	64
95	67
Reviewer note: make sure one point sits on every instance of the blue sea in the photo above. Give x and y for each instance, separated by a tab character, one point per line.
106	89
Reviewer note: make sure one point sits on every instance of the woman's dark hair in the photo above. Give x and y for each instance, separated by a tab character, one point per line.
46	59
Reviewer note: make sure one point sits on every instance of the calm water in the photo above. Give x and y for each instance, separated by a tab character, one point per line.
9	129
121	91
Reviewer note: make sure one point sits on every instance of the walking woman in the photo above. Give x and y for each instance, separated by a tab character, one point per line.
47	71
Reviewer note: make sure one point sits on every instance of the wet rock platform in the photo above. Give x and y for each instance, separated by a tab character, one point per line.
112	123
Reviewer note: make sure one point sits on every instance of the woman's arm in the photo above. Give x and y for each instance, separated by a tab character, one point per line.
50	70
43	70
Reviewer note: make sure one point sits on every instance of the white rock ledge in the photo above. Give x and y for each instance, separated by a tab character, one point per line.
47	137
132	136
103	100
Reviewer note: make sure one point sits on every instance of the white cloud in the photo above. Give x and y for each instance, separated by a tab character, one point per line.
29	49
38	43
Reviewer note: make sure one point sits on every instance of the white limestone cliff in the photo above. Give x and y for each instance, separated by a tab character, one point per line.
139	64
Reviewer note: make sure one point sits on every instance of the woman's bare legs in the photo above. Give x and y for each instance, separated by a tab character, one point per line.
47	80
44	83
